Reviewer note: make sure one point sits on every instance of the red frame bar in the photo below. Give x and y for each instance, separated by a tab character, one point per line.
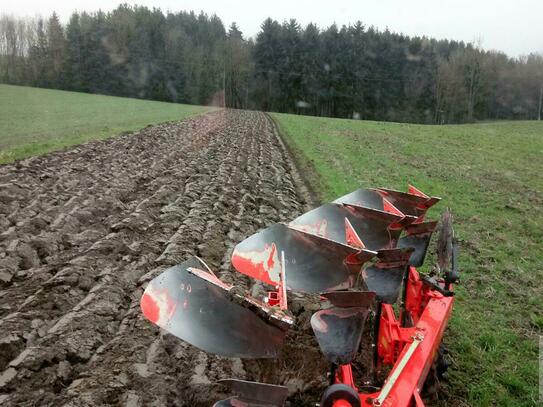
344	375
431	324
430	311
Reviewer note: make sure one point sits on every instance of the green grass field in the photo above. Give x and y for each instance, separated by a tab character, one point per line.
490	175
35	121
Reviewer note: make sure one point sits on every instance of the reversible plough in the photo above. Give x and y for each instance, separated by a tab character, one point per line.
360	254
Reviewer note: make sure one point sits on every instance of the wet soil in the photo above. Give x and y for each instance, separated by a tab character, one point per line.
84	230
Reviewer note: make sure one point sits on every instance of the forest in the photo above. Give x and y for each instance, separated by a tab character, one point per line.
353	71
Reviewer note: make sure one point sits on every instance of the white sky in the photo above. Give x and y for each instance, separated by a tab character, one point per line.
512	26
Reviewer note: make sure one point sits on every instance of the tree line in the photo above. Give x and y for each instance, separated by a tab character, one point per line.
352	71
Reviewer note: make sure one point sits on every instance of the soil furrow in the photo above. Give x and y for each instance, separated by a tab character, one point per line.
85	229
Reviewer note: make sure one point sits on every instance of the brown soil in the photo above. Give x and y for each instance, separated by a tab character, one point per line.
84	230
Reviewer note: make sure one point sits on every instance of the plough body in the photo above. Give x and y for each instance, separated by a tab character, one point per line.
360	252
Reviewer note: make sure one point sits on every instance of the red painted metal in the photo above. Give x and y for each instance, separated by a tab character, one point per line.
415	191
388	207
273	298
344	375
261	265
392	337
278	298
414	296
430	311
150	308
351	236
432	323
417	201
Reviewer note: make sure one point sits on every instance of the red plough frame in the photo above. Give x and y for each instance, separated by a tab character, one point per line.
412	350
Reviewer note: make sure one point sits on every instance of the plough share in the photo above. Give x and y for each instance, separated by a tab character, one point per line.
361	254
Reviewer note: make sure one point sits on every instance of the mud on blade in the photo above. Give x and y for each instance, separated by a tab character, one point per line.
199	310
386	276
346	299
339	331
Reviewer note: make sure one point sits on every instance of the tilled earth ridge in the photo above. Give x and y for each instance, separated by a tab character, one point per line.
84	230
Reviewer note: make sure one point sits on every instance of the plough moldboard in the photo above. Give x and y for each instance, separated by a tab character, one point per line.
360	254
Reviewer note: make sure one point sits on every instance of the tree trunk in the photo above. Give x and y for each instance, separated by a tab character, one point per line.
540	100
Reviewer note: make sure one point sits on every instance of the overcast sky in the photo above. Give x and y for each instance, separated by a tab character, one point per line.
512	26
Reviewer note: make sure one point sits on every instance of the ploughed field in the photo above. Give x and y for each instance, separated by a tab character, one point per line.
82	232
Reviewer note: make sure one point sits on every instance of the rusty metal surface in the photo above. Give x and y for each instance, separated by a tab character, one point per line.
313	263
418	237
339	331
385	277
345	299
202	312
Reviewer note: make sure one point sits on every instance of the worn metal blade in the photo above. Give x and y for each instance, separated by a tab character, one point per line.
418	236
346	299
193	304
255	393
327	221
368	198
409	203
313	263
338	332
374	199
372	226
385	277
376	228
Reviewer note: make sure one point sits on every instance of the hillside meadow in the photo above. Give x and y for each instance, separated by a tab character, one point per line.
489	174
35	121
